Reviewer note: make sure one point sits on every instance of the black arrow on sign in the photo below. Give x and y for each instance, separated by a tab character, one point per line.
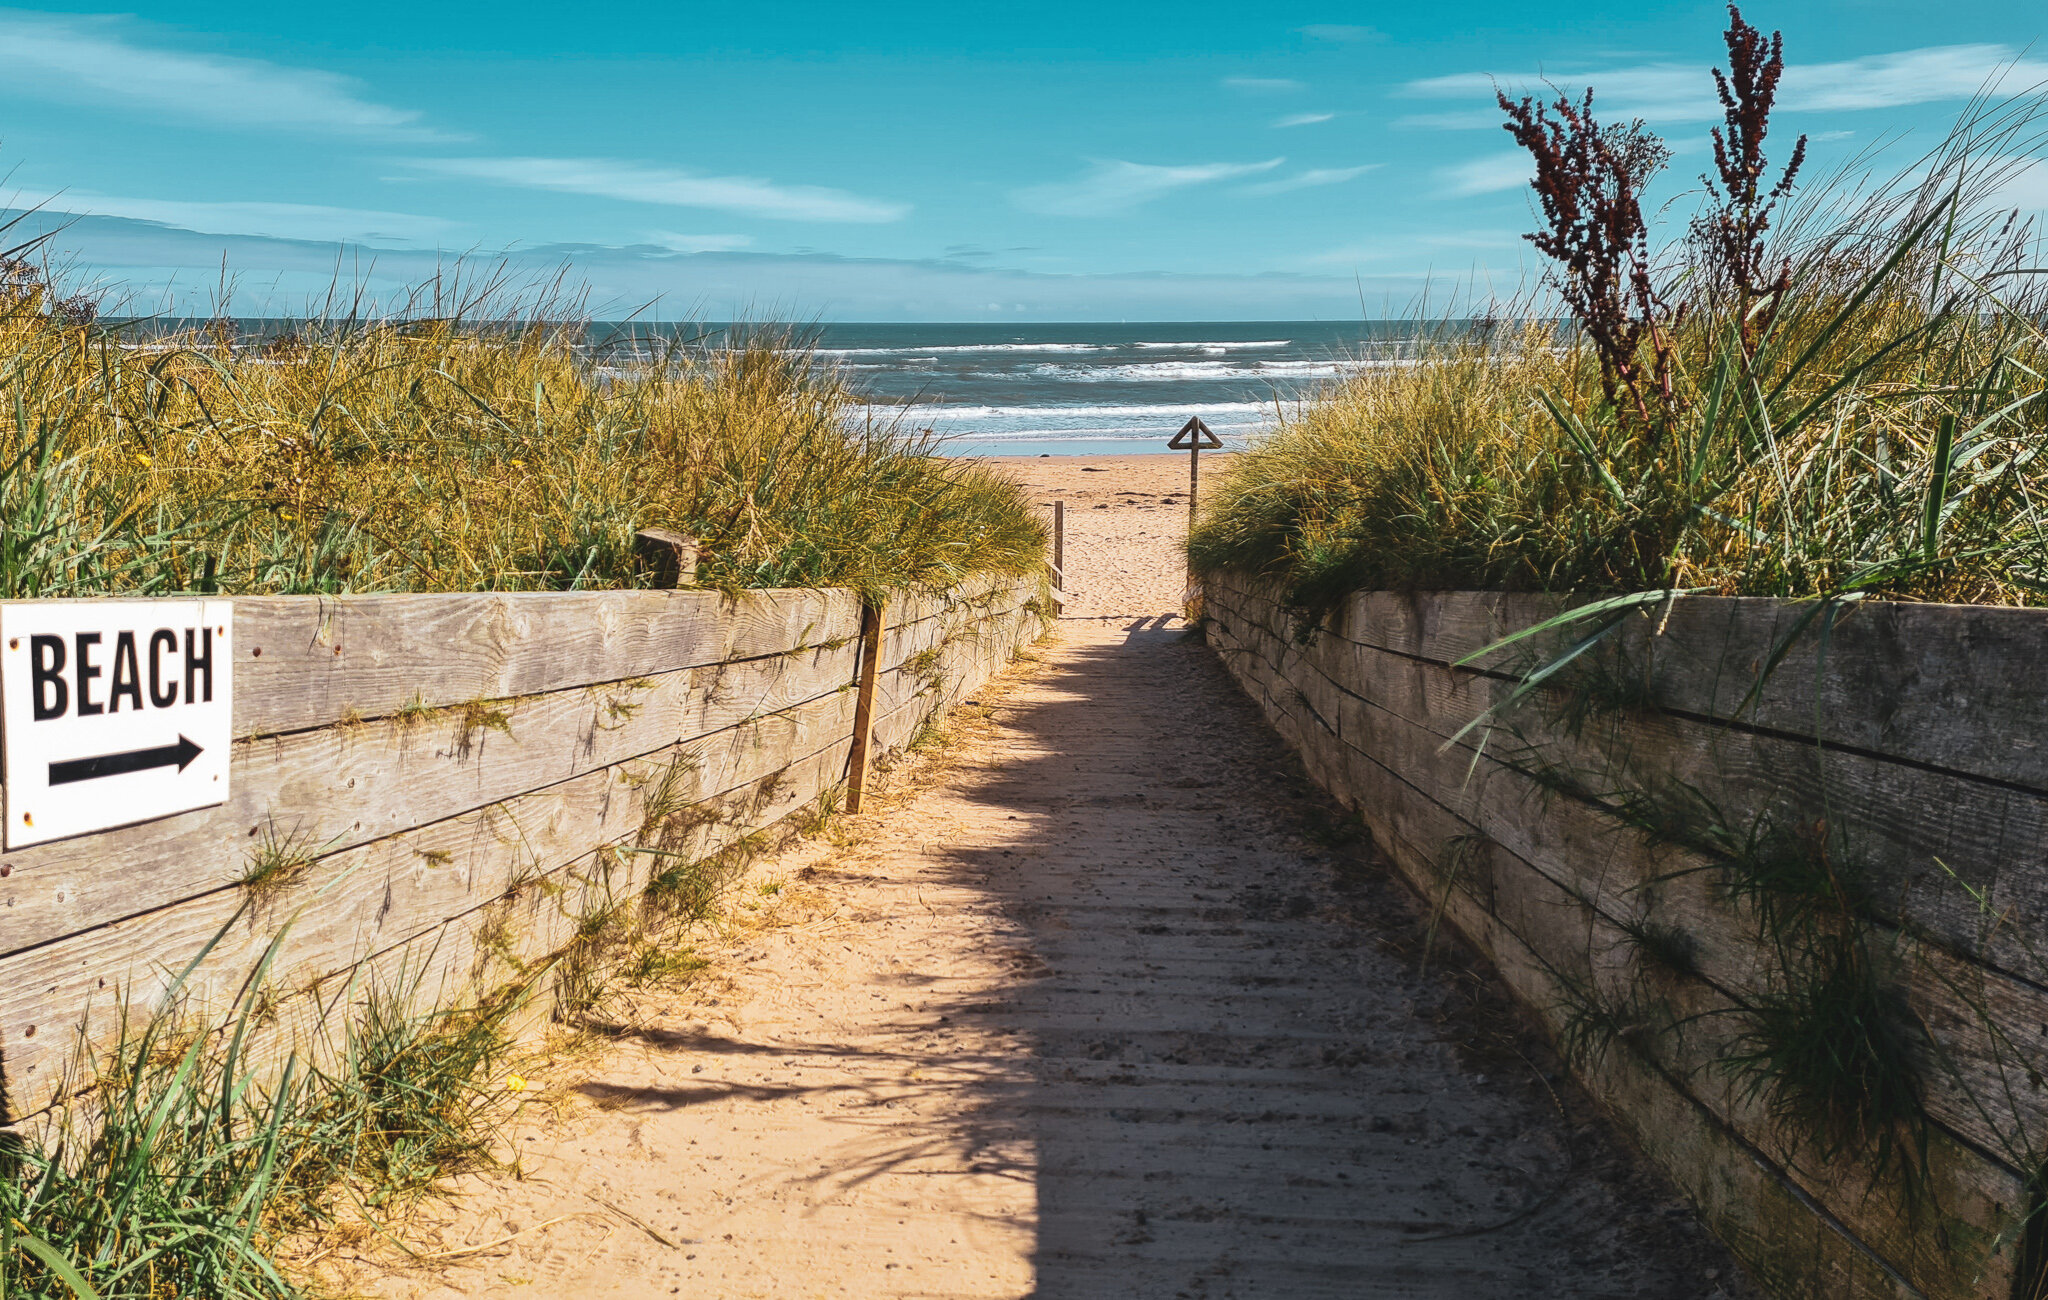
134	760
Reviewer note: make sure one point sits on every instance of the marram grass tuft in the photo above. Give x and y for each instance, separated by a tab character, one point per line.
1874	427
480	453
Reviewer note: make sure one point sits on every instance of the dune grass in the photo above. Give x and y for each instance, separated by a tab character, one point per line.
185	1161
454	448
1870	419
475	447
1841	398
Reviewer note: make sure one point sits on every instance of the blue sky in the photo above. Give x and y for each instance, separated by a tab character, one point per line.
1033	162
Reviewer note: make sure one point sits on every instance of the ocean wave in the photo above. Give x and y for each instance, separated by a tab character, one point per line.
1233	346
1142	423
1119	433
1052	410
910	352
1153	372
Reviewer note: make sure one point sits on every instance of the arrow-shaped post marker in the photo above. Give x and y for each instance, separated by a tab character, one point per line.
133	760
1194	438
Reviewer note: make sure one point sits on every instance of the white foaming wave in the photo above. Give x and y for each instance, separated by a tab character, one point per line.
1157	427
963	347
1120	433
1230	346
1210	371
1218	410
1138	423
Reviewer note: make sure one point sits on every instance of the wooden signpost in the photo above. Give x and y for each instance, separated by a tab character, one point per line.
1194	438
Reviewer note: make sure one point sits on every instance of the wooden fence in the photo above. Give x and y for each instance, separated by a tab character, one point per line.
427	784
1633	845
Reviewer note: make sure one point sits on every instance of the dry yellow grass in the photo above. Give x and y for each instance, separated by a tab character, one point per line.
1880	433
454	454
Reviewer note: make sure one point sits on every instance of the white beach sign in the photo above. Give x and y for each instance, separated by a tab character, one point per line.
112	711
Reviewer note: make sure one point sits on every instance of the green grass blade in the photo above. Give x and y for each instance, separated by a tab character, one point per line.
58	1263
1870	285
1710	420
1938	472
1577	614
1530	681
1583	441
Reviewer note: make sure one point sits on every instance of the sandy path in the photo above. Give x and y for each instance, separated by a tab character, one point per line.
1126	518
1079	1013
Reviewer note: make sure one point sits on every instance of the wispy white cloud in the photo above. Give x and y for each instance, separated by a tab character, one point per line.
642	183
1346	255
307	221
1470	239
1671	92
680	243
1110	186
160	268
1343	33
1310	179
1488	175
1303	119
1265	85
99	61
1404	250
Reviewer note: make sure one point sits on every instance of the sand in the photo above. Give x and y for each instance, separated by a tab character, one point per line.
1126	519
1099	998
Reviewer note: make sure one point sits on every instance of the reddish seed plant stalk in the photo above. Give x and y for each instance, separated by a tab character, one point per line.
1589	181
1732	231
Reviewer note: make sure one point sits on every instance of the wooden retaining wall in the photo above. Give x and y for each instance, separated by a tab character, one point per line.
445	771
1584	841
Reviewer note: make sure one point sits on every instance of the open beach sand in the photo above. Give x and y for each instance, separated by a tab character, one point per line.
1126	519
1097	999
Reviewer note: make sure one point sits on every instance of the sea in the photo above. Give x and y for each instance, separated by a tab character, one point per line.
1039	390
1092	389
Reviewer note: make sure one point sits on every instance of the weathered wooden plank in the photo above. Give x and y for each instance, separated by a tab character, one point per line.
338	787
1980	1081
1748	1201
1946	685
915	625
1958	991
308	661
393	891
1551	918
1750	1204
385	891
506	939
1974	1200
976	652
342	786
1902	819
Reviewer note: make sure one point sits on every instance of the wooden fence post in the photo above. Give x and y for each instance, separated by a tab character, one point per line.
864	704
1059	547
670	557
